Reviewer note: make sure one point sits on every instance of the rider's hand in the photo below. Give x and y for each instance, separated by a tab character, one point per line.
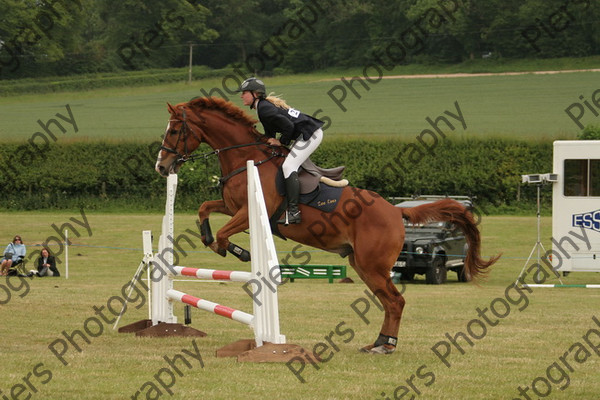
273	142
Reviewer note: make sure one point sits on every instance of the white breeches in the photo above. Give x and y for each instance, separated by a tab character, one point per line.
300	151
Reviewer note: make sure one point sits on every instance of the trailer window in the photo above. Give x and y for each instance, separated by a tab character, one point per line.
582	178
594	177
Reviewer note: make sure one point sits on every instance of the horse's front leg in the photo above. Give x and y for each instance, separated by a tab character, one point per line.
204	211
237	224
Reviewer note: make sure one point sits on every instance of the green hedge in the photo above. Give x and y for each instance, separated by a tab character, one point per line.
98	175
93	175
488	169
105	80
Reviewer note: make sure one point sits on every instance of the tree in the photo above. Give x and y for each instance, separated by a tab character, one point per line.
35	34
141	34
243	27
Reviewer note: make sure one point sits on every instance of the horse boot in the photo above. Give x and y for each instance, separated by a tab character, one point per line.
292	192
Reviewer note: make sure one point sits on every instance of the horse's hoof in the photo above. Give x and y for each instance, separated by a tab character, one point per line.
366	349
371	349
215	247
245	256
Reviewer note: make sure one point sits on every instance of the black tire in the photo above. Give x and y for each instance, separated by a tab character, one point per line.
437	274
461	275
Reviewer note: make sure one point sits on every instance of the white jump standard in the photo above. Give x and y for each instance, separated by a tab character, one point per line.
268	343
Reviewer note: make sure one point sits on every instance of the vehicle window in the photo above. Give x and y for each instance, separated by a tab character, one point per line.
594	177
582	178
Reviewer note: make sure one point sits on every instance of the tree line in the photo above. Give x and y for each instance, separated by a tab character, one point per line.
64	37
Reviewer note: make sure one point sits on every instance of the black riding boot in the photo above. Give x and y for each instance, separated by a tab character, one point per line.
292	191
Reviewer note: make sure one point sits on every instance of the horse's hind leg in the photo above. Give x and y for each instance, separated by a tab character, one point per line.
376	276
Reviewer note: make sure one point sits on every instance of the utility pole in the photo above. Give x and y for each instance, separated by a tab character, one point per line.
190	66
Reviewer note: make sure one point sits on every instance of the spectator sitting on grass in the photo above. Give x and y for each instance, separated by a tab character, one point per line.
46	265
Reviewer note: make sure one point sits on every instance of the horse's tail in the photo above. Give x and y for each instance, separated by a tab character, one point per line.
454	212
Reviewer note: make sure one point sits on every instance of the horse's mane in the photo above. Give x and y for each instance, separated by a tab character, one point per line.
226	107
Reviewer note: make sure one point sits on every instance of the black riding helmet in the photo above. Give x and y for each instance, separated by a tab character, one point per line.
253	85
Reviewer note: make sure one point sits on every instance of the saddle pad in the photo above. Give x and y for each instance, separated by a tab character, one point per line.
324	198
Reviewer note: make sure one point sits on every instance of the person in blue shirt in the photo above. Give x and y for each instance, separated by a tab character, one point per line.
13	255
305	131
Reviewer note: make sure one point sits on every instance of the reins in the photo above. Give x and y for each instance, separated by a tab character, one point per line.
274	154
233	173
193	157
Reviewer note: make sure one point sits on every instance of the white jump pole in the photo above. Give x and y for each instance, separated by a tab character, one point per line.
209	306
213	274
533	285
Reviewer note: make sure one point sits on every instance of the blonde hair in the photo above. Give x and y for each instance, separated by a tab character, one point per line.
278	101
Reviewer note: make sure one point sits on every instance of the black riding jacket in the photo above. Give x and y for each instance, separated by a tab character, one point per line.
290	123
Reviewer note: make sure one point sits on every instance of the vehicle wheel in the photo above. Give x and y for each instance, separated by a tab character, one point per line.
437	274
461	275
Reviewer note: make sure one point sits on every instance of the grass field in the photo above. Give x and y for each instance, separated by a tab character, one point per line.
537	342
539	328
524	106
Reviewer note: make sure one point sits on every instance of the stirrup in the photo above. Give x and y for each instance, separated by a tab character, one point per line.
290	218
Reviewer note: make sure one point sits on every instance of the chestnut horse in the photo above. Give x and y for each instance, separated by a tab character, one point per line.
364	227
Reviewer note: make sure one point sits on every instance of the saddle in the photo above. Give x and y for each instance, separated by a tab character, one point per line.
310	175
320	188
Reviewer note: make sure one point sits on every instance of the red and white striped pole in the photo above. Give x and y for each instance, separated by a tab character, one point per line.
209	306
212	274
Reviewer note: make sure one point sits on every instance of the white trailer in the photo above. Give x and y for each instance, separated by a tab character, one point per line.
576	206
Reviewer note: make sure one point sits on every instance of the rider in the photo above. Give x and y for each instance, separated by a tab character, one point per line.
276	116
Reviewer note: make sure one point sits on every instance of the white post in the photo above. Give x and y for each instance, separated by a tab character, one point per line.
264	264
66	254
148	257
162	310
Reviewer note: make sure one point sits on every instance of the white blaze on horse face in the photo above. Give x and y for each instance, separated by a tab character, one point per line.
158	157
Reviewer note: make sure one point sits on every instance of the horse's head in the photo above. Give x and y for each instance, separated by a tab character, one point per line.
210	120
182	136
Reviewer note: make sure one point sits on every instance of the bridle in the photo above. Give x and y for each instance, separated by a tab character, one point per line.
181	135
187	156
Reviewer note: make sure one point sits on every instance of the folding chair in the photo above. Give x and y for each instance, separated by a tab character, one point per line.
17	268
